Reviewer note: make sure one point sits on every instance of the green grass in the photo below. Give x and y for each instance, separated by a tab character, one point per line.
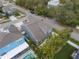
65	52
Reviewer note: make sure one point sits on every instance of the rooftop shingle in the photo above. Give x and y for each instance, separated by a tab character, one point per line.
37	28
6	38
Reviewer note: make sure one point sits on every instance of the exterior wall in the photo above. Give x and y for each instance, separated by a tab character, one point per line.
1	2
9	10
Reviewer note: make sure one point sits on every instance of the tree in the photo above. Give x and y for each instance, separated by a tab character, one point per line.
69	13
41	10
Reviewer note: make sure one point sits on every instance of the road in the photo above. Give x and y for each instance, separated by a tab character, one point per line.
53	22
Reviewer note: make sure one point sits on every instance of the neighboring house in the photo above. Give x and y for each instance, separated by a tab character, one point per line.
52	3
13	29
36	29
13	46
77	28
12	0
1	3
9	10
75	55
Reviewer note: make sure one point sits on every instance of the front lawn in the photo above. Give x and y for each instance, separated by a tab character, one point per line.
65	52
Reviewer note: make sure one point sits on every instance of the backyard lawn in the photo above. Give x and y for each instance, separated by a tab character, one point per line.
65	52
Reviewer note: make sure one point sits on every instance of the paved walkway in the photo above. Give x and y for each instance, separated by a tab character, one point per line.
75	35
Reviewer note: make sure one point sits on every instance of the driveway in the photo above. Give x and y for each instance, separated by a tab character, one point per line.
75	35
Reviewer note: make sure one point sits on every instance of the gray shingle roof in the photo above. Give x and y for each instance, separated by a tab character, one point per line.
38	34
13	29
6	38
38	29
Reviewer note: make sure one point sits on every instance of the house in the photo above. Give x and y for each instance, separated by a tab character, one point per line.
1	3
13	46
13	29
9	10
76	55
16	28
77	28
12	0
52	3
36	29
